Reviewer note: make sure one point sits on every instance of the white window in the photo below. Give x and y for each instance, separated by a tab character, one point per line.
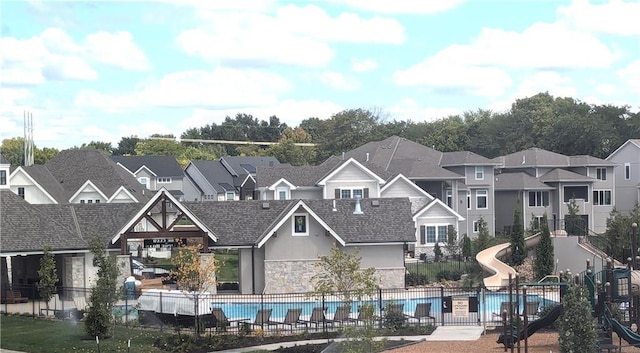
351	193
432	233
627	171
449	197
3	177
300	224
538	198
144	181
601	173
602	197
282	193
481	198
231	196
476	226
468	200
479	173
164	180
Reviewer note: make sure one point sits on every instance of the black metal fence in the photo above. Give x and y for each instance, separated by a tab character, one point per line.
279	313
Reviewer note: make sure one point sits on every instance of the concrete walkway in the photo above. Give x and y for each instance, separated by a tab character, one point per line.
441	333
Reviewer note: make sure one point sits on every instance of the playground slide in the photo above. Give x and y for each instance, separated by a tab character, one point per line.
624	332
489	261
534	326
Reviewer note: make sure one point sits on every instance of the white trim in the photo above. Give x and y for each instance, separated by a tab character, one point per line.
324	180
178	205
436	225
486	207
306	225
277	183
621	146
33	181
147	168
84	186
411	183
249	176
122	188
437	202
269	232
158	181
351	192
475	172
279	189
125	168
27	253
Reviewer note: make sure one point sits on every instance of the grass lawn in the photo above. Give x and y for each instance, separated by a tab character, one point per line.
431	269
40	335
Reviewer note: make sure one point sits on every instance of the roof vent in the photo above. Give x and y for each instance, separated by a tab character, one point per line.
334	206
367	156
265	205
375	203
357	209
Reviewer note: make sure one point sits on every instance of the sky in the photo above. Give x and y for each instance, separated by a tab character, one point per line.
103	70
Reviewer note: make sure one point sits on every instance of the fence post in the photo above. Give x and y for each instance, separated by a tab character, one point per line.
324	318
381	308
196	315
33	302
442	305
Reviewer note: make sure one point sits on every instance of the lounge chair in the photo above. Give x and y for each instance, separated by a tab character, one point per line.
504	307
317	317
532	310
292	318
342	315
398	308
423	310
262	319
221	318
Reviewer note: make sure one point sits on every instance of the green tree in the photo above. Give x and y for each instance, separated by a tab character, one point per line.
545	256
160	147
483	241
573	224
518	250
104	294
467	248
577	327
42	156
286	152
191	272
618	234
48	276
452	246
437	252
534	225
104	147
126	146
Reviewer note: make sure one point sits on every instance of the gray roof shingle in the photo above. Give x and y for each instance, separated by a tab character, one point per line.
214	172
162	166
557	175
450	159
239	165
44	178
519	181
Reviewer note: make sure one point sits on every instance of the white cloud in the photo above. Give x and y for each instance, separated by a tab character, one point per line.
631	76
242	5
403	6
291	112
116	49
54	55
409	109
542	81
338	81
612	17
363	65
606	89
219	88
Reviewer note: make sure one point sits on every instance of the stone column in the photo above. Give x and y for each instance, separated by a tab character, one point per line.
74	275
123	262
212	285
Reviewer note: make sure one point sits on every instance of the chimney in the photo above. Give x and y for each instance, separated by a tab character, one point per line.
367	156
358	209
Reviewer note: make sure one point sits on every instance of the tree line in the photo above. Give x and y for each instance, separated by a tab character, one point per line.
559	124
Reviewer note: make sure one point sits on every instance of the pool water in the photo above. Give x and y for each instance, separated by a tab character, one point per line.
279	309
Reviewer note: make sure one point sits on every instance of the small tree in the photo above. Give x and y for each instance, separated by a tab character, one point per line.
544	251
340	273
577	327
573	222
191	272
534	225
48	275
483	241
467	248
104	294
518	251
452	246
437	252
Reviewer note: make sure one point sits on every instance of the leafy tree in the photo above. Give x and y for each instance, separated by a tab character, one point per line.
618	233
104	294
437	253
483	241
573	222
104	147
534	225
158	147
576	326
467	248
286	152
48	276
191	272
452	246
545	256
192	153
13	150
518	250
42	156
126	146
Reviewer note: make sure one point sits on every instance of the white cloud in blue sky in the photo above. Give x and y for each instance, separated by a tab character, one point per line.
104	70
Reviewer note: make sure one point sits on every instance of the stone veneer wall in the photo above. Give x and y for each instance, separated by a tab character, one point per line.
74	272
204	259
295	276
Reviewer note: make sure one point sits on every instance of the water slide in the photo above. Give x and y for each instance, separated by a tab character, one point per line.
489	261
544	321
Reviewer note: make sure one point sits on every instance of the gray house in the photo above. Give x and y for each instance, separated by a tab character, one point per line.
154	172
226	179
546	182
626	175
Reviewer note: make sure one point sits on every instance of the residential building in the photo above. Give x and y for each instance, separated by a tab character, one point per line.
226	179
626	175
155	172
542	182
5	171
76	176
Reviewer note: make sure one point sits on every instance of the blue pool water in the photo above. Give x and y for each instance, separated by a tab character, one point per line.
279	309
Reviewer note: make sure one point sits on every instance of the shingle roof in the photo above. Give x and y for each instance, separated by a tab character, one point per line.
4	160
162	166
72	168
519	181
533	157
214	172
235	163
63	227
391	221
580	161
44	178
557	175
458	158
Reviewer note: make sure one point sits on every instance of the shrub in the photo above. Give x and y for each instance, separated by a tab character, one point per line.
393	319
449	275
415	279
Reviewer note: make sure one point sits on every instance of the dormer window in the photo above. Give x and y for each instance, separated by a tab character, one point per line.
351	193
282	193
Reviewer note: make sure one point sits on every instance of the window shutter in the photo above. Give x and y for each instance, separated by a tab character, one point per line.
337	193
365	193
423	235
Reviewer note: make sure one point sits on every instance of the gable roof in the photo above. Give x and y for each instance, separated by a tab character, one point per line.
213	172
343	165
45	181
162	166
518	181
403	179
65	227
437	203
559	175
532	158
466	158
239	165
635	142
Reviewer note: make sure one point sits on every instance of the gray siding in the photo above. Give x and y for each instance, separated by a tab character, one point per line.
505	203
626	195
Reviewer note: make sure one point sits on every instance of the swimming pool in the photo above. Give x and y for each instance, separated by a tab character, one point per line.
279	309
